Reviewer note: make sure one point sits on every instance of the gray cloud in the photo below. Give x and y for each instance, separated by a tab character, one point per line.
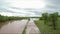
51	6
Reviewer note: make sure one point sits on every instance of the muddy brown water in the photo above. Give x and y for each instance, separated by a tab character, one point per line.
14	27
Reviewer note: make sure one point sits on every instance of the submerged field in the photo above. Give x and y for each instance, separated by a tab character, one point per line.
46	28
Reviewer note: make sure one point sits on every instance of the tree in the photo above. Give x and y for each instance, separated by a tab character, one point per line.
54	18
45	17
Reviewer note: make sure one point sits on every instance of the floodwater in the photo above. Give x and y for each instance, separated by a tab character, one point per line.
32	28
34	19
14	27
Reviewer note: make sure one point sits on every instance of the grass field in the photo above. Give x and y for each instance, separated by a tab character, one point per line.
46	29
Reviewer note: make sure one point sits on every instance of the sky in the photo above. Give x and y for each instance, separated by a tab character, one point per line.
28	7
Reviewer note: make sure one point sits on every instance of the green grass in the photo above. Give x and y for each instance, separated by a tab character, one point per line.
24	31
46	29
6	18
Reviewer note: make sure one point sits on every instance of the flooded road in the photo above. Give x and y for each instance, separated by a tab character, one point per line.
16	27
32	28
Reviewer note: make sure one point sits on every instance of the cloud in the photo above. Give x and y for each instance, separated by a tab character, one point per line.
26	3
6	7
28	7
6	13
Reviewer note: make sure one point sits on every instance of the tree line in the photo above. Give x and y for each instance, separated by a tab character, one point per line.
6	18
50	18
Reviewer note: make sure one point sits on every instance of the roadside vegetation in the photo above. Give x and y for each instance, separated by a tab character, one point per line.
24	31
49	23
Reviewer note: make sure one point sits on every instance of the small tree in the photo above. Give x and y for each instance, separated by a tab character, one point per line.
54	18
45	17
0	15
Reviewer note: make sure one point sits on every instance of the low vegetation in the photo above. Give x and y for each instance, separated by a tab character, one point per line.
46	29
6	18
49	23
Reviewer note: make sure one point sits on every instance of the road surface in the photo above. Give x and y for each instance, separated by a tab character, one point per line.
32	28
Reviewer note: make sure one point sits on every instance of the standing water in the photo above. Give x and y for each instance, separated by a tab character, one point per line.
16	27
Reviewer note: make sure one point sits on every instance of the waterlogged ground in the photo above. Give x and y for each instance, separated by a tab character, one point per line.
16	27
32	28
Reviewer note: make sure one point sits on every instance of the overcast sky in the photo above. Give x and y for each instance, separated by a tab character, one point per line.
28	7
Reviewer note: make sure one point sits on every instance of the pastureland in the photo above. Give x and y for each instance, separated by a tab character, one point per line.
48	28
49	23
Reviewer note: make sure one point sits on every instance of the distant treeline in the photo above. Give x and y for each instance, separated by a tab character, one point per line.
6	18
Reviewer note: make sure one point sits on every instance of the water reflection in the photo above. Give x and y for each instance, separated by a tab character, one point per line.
34	19
13	27
6	23
3	24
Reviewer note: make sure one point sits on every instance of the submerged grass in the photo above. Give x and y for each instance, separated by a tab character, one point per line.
24	31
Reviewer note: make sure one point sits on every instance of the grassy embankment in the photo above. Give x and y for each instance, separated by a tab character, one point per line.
24	31
48	29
